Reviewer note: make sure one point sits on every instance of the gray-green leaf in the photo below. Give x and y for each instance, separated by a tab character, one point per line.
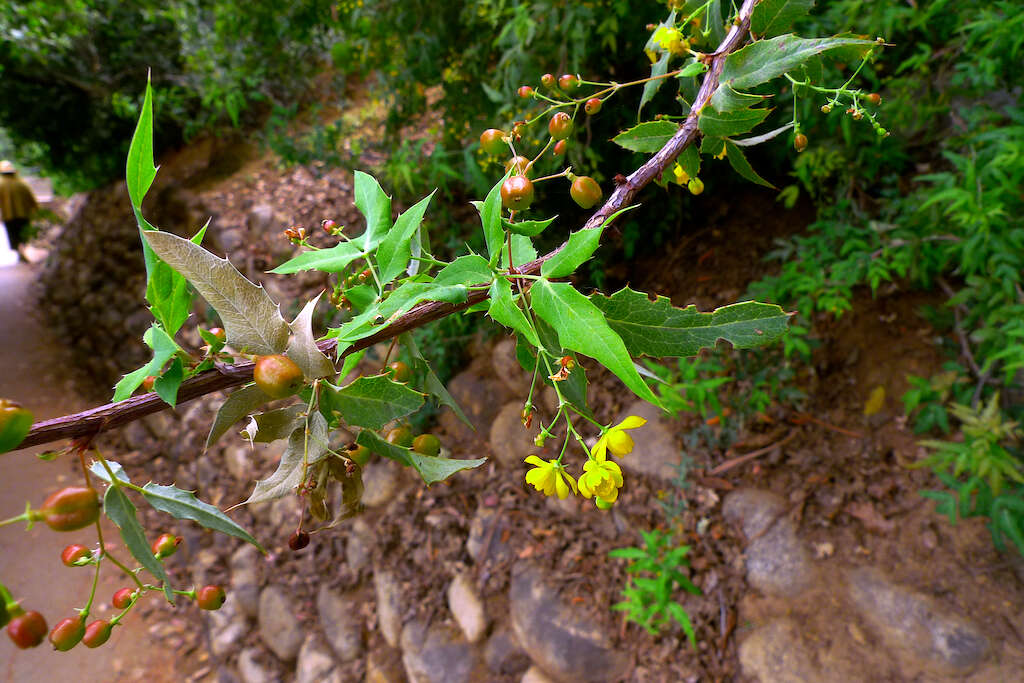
251	319
184	505
302	348
764	60
372	402
240	403
303	449
121	511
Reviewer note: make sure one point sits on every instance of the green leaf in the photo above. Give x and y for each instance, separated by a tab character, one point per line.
471	269
332	260
689	159
431	382
658	329
166	385
278	424
711	146
581	246
396	305
121	511
723	124
163	349
738	161
490	218
351	361
659	68
303	349
772	17
251	319
765	137
522	250
504	310
694	68
184	505
764	60
100	471
434	469
574	389
581	326
140	169
375	206
372	402
527	228
303	449
395	249
370	439
240	403
647	137
727	99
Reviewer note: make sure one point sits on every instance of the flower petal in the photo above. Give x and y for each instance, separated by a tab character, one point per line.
534	460
631	422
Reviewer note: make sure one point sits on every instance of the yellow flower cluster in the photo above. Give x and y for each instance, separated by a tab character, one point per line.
601	478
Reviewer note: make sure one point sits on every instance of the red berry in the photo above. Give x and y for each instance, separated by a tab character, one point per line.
97	633
560	126
426	444
568	82
166	545
585	191
70	509
560	148
517	192
800	142
521	165
219	333
400	372
277	376
67	633
210	597
72	553
122	598
298	540
592	106
27	630
525	91
874	98
492	141
548	80
147	384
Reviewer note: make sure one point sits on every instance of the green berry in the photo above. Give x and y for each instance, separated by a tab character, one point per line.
585	191
492	142
15	423
400	436
426	444
277	376
400	372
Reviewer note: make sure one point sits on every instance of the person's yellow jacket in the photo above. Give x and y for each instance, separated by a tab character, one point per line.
16	198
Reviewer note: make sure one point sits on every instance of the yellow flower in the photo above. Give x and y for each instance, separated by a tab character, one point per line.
549	477
601	478
616	439
681	176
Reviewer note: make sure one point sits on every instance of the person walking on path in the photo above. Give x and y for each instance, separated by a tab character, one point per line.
17	204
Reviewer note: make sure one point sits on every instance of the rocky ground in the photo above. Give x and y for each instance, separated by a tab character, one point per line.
816	557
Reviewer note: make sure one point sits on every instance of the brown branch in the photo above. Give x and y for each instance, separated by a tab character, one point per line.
112	415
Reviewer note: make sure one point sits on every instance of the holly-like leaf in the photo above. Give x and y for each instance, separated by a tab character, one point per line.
375	206
386	449
523	251
167	384
471	269
431	382
647	137
372	402
100	471
251	319
490	218
764	60
395	249
727	99
581	246
659	68
397	304
717	124
303	349
582	327
689	159
504	310
434	469
332	260
278	424
304	448
182	504
240	403
121	511
772	17
658	329
527	228
163	349
738	161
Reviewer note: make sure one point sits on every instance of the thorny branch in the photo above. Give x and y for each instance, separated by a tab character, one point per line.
90	423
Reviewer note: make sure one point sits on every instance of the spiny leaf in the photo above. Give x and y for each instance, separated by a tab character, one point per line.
395	249
490	218
471	269
303	349
375	206
727	99
332	260
647	137
715	124
738	161
582	327
121	511
278	424
240	403
434	469
658	329
527	228
163	349
251	319
764	60
184	505
504	310
303	449
772	17
372	402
